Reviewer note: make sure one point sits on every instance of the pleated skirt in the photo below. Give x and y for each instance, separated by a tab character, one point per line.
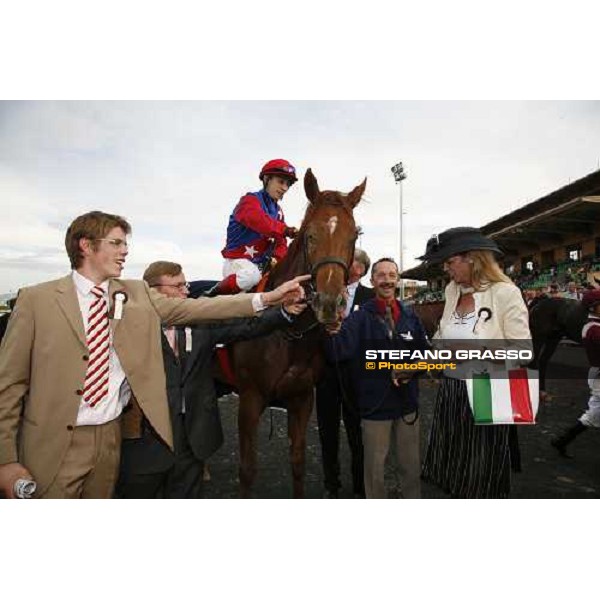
463	459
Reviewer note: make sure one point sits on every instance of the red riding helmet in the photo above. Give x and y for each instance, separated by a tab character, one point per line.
591	298
281	167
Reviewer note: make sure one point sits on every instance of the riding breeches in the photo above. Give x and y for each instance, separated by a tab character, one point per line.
591	417
247	274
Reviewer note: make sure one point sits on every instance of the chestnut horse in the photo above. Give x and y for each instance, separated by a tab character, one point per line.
284	366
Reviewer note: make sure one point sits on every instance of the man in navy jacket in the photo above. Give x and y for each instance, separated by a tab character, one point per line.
387	411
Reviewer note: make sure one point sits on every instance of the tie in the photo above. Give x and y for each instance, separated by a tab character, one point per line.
171	334
389	321
98	342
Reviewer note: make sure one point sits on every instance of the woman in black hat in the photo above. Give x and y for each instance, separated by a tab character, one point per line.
482	303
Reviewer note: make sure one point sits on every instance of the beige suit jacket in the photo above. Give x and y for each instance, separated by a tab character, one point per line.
509	319
43	364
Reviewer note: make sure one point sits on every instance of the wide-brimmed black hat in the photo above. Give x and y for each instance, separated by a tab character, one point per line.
457	240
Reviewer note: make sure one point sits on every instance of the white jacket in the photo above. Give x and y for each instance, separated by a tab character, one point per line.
508	320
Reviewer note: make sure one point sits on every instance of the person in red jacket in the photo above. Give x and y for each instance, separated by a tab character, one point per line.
590	337
257	232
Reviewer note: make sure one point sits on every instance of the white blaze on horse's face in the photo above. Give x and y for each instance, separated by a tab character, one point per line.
332	224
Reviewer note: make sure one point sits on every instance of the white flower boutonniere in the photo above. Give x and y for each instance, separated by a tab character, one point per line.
119	300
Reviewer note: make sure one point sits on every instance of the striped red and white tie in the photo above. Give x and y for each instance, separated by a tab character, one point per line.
98	342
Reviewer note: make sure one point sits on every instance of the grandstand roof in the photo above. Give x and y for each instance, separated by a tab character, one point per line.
422	272
573	208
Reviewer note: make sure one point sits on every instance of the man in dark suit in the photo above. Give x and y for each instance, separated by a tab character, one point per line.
149	469
336	401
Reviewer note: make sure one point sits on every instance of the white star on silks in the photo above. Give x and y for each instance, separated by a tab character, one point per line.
251	251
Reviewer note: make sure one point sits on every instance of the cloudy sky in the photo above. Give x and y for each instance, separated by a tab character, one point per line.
176	169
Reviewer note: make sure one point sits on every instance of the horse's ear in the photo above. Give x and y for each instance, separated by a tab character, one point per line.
311	187
357	193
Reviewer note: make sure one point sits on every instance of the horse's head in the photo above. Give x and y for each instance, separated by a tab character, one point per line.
328	234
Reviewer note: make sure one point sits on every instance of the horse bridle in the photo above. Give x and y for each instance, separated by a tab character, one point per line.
331	260
314	269
310	290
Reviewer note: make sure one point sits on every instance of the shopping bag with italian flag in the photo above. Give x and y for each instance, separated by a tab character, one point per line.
510	399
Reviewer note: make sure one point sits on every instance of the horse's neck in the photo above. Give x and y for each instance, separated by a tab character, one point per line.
294	263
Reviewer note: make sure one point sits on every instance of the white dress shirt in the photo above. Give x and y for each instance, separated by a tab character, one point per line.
351	293
119	391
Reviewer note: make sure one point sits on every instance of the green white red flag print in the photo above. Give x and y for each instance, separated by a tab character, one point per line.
504	400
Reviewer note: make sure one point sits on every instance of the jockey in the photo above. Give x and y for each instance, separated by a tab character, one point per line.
590	338
256	233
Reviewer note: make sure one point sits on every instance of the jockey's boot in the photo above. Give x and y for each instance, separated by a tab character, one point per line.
561	442
225	287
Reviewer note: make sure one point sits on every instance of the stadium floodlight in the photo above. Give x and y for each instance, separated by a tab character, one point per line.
399	176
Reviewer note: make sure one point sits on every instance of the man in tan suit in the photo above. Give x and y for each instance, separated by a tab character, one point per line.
75	351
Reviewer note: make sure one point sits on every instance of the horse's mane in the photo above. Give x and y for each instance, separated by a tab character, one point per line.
293	264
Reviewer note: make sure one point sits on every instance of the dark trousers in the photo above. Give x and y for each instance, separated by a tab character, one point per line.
336	401
182	480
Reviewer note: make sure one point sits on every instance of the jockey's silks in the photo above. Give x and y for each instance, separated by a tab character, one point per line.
256	229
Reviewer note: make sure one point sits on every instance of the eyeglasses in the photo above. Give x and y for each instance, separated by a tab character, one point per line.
180	286
116	242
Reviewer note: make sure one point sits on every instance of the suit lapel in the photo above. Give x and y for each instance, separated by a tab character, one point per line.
359	297
66	298
181	359
356	299
166	346
183	355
